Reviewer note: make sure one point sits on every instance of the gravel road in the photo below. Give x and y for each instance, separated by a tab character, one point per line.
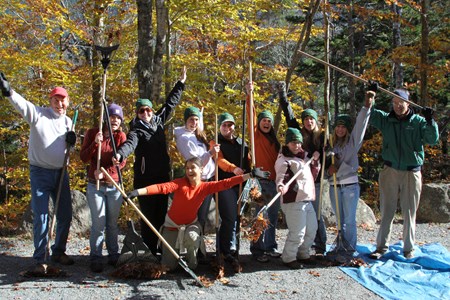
257	281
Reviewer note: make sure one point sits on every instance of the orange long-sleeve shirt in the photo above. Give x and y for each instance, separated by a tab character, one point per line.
187	199
265	151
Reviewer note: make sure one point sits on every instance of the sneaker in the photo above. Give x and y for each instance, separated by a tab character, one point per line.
262	258
377	254
63	259
96	267
408	254
273	253
294	265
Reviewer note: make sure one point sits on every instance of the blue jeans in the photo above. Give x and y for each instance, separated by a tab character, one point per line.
228	215
348	197
267	242
45	183
320	241
104	205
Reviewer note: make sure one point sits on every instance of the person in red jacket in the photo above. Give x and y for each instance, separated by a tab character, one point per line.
105	202
181	228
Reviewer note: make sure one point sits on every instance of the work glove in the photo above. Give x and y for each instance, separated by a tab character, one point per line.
280	86
132	194
373	86
71	138
332	170
258	172
4	85
428	112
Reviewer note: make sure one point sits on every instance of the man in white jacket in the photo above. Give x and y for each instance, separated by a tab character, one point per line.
50	133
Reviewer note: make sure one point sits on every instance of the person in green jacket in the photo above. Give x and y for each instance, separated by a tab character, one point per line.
404	135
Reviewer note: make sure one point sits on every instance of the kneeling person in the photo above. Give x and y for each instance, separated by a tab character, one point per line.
181	228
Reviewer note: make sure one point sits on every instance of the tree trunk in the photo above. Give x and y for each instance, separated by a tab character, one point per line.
326	89
351	57
424	53
145	48
161	35
303	39
301	44
99	39
396	42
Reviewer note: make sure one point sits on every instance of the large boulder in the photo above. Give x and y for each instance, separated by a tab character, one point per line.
81	220
364	214
434	203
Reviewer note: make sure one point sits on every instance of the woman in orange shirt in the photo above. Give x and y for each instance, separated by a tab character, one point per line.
181	228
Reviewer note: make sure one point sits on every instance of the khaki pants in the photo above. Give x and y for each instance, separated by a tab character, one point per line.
395	185
192	239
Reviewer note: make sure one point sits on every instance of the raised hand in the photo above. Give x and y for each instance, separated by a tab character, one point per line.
4	85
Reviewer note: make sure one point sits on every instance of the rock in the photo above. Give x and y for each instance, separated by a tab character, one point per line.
364	214
434	203
81	219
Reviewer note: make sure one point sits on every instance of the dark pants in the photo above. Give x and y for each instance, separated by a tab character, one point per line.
203	212
228	215
320	242
154	209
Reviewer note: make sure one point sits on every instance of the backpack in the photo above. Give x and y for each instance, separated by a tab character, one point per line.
291	194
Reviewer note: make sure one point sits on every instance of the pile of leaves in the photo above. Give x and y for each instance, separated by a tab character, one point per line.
256	196
253	231
140	270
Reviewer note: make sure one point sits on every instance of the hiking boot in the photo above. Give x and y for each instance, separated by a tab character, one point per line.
262	258
274	253
408	254
112	260
294	265
96	267
229	258
62	259
307	261
234	262
319	255
377	254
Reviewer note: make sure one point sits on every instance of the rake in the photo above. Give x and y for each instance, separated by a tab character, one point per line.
181	262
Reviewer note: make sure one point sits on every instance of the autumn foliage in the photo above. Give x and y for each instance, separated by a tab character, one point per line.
47	43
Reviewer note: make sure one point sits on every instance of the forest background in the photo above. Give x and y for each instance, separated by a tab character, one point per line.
47	43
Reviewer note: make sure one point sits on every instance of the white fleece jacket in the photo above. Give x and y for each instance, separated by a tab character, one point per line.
47	142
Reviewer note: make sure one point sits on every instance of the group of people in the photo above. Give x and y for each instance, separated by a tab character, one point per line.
183	223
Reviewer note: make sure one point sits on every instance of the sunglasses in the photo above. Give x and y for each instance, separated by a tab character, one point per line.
145	109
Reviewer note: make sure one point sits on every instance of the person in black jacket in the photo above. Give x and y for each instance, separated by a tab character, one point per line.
229	163
313	140
152	162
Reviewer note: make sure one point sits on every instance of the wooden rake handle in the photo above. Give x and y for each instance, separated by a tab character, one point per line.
141	214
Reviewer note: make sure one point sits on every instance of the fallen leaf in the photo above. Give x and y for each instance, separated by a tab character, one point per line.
314	273
224	280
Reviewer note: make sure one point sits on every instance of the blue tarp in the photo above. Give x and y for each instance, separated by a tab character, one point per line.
426	276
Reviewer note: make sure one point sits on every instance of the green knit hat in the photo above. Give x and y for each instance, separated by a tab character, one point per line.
345	120
309	113
144	102
226	117
191	111
293	135
265	114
